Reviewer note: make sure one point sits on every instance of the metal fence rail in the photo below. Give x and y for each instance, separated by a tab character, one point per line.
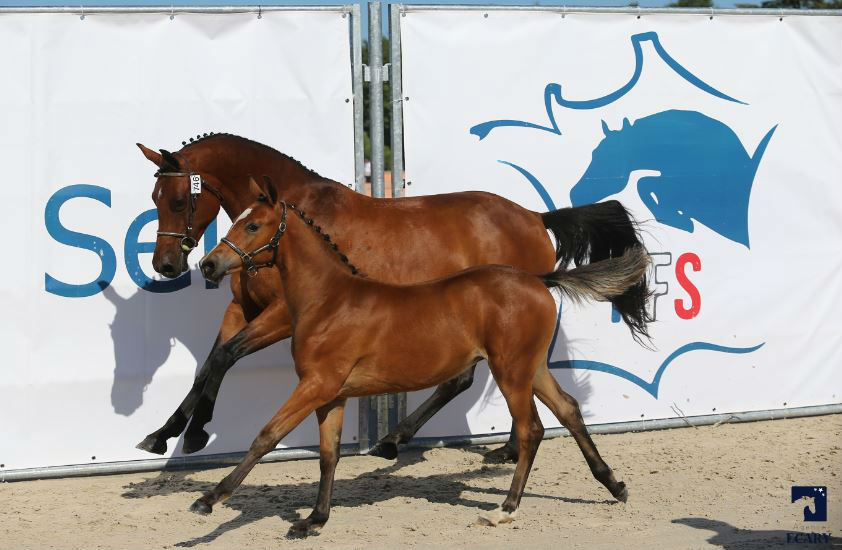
228	459
563	10
166	10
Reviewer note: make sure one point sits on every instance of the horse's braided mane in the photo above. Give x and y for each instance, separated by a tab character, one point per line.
205	137
332	245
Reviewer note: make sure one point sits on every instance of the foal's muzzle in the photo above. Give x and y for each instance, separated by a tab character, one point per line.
211	270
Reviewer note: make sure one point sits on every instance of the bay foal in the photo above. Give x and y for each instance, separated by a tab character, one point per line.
353	336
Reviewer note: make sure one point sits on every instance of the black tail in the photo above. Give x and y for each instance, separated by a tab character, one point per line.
598	232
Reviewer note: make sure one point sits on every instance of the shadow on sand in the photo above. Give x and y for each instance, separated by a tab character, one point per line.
255	502
724	535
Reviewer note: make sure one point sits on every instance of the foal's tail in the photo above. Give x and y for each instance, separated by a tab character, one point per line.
597	232
606	280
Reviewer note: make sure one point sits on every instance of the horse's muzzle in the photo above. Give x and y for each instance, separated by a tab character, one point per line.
171	265
212	271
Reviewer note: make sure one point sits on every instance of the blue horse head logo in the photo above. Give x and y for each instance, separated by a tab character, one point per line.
706	174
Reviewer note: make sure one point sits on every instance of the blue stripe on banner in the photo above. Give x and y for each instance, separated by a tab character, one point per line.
650	387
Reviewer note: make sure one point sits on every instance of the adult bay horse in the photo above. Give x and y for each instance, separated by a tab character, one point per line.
439	235
353	336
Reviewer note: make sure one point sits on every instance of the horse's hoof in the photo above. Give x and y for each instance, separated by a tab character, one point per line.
201	507
499	456
304	527
152	444
496	517
623	493
195	441
384	449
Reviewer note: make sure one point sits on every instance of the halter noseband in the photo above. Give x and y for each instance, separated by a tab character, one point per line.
248	257
188	243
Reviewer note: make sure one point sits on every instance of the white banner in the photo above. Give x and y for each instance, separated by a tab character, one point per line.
87	374
722	134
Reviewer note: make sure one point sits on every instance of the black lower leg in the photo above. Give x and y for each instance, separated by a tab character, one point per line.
575	424
195	438
527	448
600	470
506	453
409	426
321	511
330	431
156	442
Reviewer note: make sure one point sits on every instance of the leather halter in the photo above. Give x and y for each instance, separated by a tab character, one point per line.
188	243
248	257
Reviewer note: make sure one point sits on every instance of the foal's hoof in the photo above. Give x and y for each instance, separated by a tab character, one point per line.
384	449
201	507
499	456
194	441
496	517
622	493
152	444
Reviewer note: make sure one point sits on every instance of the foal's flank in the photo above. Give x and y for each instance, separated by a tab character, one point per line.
354	336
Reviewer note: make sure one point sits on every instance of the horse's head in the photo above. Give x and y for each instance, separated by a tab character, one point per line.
184	209
608	172
253	238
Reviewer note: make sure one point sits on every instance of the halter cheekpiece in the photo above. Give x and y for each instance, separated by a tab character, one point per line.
248	257
188	243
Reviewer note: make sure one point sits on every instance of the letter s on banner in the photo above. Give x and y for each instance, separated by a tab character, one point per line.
695	297
63	235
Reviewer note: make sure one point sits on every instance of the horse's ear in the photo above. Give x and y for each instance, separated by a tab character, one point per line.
605	129
626	124
255	189
153	157
269	185
169	161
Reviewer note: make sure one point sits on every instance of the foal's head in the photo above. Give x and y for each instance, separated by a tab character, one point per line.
183	215
252	241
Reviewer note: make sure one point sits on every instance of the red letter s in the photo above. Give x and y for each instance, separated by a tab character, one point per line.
690	288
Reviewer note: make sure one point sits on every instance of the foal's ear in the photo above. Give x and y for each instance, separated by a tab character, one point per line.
153	157
255	190
270	189
169	161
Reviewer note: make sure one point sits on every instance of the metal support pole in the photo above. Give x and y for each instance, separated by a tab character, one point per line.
359	109
375	63
374	411
395	82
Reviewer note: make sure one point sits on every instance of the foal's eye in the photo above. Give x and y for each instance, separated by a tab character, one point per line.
251	228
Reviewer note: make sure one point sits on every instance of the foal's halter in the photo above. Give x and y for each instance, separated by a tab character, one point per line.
248	257
188	243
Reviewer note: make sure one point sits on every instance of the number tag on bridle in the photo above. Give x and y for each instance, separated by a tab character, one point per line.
195	184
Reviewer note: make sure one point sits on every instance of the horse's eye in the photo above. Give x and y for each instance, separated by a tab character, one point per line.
251	228
178	205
